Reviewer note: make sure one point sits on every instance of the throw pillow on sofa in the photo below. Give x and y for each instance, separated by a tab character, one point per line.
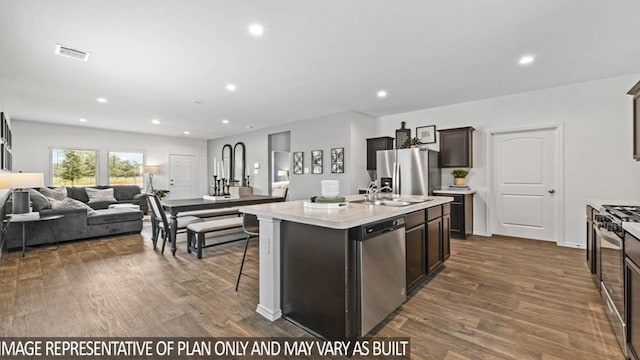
38	201
100	195
59	193
69	203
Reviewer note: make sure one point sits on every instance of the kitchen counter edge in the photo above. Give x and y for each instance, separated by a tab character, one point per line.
359	214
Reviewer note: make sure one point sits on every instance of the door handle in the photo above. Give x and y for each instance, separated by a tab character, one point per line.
552	191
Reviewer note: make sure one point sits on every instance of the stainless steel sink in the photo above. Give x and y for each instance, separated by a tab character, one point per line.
399	202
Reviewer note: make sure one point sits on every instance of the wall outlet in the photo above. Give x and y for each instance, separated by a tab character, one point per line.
256	165
306	170
255	171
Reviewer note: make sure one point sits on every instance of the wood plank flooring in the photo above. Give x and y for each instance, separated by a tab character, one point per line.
496	298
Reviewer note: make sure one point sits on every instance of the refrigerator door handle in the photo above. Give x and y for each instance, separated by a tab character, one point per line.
396	178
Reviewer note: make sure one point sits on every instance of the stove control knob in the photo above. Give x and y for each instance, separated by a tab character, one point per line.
602	218
613	227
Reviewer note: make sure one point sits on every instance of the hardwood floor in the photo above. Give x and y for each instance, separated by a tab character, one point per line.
496	298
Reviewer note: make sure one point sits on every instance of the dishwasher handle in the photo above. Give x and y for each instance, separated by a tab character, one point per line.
375	229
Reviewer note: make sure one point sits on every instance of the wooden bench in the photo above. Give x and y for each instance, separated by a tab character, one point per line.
197	231
211	212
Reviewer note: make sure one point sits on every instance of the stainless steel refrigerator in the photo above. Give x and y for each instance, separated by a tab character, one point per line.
412	171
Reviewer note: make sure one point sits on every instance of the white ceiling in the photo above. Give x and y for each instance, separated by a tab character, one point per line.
154	58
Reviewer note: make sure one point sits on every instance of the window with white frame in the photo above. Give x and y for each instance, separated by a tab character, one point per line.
73	167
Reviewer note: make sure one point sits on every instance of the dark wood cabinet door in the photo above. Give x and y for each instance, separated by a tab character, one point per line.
434	233
457	219
415	256
375	144
456	147
446	237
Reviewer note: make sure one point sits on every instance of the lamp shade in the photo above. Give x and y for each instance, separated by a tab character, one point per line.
151	169
21	180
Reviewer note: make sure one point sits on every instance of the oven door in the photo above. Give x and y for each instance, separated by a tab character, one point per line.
611	266
633	308
612	273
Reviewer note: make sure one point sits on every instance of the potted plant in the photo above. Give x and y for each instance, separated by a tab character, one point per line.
413	142
459	175
160	193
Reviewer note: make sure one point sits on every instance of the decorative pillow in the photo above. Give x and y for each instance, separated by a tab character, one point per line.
38	201
100	195
69	203
59	193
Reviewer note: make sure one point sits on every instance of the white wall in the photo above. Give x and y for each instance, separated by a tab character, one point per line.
598	139
322	133
32	142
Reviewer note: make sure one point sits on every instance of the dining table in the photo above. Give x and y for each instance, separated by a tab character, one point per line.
176	206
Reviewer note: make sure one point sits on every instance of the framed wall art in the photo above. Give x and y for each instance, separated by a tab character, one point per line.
426	134
298	163
316	161
337	160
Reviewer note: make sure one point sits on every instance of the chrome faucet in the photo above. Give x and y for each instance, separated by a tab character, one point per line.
372	192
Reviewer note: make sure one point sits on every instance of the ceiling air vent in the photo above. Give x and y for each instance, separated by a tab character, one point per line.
72	53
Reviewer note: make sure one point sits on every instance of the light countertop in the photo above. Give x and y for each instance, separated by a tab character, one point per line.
454	191
597	203
343	218
632	228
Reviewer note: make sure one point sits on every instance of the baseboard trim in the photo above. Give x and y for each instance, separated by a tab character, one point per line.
270	315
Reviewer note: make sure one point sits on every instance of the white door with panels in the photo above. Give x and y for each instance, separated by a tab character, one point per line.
182	177
526	198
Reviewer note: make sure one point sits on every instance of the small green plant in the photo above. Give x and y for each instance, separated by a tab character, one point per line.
460	174
160	193
413	141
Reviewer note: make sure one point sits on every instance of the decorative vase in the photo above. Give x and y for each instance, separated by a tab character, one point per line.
459	181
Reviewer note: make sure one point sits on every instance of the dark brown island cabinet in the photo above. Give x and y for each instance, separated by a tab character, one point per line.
635	92
456	147
375	144
427	243
322	269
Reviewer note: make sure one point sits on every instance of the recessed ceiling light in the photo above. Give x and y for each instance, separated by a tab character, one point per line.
82	120
101	100
249	127
198	102
256	30
526	60
155	121
230	87
225	121
186	133
382	94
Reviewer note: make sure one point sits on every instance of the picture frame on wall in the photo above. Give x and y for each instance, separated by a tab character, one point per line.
316	162
337	160
298	163
426	134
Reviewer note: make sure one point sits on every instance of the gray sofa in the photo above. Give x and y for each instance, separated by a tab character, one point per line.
123	194
76	224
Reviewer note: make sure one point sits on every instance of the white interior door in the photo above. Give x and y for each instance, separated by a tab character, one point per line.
525	183
182	177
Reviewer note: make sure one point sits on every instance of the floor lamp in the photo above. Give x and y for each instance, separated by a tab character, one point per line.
20	183
151	170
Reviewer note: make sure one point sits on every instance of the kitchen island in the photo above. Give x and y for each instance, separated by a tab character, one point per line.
310	258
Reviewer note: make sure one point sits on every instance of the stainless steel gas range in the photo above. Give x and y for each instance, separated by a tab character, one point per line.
608	228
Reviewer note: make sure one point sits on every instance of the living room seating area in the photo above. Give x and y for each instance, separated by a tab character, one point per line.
86	214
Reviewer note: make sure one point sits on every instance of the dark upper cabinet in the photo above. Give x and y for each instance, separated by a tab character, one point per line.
375	144
635	92
456	147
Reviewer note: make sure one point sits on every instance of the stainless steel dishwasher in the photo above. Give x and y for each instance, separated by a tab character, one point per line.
383	281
